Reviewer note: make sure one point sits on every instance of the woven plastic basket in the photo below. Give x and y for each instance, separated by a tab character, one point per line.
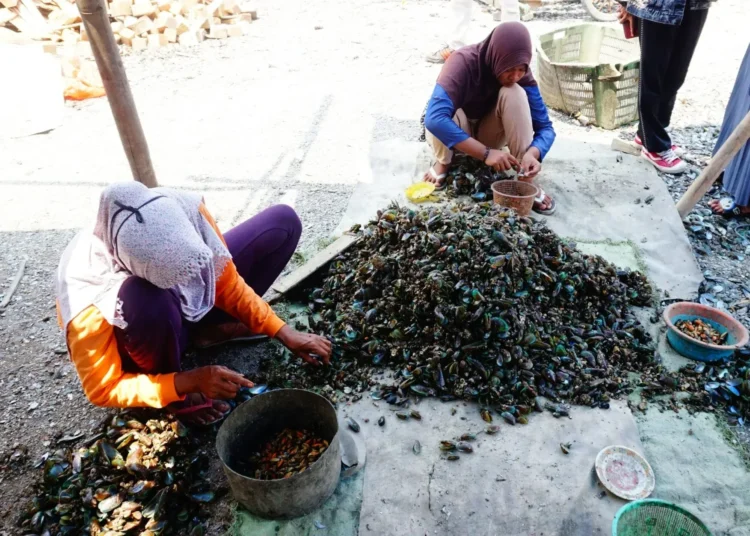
591	69
652	517
517	195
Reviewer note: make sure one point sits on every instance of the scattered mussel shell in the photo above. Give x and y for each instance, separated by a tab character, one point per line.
56	470
463	446
203	497
402	415
381	421
492	429
565	447
452	457
447	445
509	418
111	455
468	437
110	503
352	424
155	506
415	415
258	389
417	447
486	416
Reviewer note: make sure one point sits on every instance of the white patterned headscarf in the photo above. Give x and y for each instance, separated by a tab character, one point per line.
157	234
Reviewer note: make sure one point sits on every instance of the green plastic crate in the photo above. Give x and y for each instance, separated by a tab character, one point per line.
591	69
652	517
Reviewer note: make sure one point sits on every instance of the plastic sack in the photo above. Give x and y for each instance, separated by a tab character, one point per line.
82	80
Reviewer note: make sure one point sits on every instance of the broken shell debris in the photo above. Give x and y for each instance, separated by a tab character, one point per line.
288	453
145	474
702	331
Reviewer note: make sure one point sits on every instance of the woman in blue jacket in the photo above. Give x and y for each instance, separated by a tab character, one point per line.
485	99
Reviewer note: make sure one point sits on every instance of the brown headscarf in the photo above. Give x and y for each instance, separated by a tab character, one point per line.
469	76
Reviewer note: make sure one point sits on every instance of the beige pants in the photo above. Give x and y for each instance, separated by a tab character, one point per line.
508	124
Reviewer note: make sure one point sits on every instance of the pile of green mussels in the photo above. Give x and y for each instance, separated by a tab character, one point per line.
469	176
145	475
469	301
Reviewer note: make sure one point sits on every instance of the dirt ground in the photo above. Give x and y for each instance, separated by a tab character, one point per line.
286	114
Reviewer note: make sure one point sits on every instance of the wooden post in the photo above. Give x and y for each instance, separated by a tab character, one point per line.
112	71
703	183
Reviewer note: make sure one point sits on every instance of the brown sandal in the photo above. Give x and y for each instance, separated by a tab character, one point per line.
440	56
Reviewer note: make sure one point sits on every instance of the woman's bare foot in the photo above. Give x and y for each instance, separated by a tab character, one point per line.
544	204
717	208
440	172
190	410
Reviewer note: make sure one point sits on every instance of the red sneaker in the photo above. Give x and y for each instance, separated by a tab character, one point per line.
666	161
679	151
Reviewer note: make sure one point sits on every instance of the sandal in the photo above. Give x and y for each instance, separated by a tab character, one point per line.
439	179
440	56
540	199
208	403
730	209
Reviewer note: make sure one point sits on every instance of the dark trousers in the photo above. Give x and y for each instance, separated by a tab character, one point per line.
666	51
157	335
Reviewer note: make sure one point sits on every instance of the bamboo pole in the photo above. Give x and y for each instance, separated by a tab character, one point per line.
112	71
703	183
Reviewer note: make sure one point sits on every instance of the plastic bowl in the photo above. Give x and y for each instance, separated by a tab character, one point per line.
699	350
517	195
656	518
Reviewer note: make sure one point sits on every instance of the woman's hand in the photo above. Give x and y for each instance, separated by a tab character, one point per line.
501	161
213	381
306	345
530	164
623	16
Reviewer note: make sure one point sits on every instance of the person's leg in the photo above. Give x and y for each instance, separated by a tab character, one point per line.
153	342
442	154
460	12
509	123
457	27
657	44
261	247
154	338
686	40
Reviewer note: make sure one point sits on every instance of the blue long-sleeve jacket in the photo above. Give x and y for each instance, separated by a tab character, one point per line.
440	111
664	11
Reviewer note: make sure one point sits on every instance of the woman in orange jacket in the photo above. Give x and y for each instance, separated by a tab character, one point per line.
154	270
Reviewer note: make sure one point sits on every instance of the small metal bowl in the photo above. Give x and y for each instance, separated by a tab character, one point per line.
699	350
253	423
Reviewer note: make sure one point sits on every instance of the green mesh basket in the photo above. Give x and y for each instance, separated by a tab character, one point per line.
591	69
652	517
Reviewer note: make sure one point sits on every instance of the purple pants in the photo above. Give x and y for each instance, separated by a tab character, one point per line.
156	335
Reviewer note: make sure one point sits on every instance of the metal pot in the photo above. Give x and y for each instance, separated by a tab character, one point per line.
253	423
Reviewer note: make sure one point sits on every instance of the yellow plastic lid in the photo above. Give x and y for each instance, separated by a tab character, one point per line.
420	191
